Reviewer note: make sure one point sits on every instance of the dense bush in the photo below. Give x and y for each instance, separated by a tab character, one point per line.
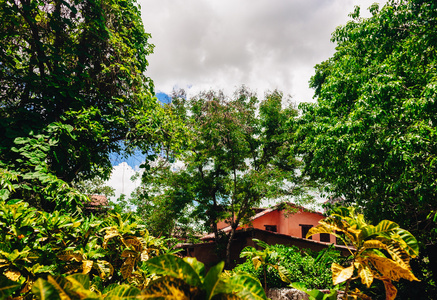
311	268
35	244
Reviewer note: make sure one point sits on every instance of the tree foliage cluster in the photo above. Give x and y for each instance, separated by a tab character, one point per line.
237	154
78	66
370	135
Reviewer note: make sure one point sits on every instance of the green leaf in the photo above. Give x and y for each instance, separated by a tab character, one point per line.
43	290
7	287
243	285
123	292
170	265
212	279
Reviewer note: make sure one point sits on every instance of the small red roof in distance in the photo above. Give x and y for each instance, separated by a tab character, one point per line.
97	200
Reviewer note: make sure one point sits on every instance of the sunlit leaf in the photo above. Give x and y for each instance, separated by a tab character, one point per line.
340	274
174	266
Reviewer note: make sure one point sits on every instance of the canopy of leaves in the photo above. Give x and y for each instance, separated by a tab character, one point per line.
237	153
371	134
79	63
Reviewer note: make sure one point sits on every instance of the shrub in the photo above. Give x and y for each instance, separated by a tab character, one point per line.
306	266
36	244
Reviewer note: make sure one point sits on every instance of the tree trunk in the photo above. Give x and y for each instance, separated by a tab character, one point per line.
228	247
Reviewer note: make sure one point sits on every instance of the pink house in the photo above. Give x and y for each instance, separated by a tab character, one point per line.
275	225
294	223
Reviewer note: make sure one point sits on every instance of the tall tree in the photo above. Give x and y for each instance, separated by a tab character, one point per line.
80	63
371	133
74	71
238	155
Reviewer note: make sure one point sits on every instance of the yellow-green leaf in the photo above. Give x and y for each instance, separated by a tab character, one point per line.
390	269
365	274
12	275
87	265
340	274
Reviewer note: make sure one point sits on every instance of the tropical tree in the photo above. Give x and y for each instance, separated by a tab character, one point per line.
80	64
237	154
370	135
379	252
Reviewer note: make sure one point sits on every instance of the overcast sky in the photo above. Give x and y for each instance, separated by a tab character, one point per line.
222	44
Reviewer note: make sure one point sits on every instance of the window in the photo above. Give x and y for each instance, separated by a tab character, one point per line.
325	237
305	229
271	228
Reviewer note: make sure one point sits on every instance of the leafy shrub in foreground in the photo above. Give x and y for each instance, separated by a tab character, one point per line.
175	278
36	244
311	268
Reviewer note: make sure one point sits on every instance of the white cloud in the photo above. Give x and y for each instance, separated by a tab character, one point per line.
224	44
121	181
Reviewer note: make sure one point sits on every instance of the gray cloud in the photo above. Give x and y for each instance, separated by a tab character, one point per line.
225	43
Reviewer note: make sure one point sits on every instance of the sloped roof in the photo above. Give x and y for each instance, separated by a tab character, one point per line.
97	202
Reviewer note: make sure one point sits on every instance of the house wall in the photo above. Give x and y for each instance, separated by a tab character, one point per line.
210	255
290	224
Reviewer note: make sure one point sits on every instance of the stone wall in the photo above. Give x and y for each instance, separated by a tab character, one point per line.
287	294
292	294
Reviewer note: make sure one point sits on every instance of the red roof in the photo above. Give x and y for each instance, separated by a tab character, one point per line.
97	201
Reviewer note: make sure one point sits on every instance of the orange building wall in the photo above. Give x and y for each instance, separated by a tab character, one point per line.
289	225
286	224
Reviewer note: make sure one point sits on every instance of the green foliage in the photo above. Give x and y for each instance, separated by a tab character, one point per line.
378	252
94	186
29	176
371	134
78	286
315	294
35	244
310	268
186	279
237	153
80	64
180	279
